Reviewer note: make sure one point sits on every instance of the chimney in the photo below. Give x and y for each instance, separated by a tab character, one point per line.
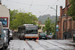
60	11
0	2
66	2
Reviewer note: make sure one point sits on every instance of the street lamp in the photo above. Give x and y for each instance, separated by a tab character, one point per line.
55	20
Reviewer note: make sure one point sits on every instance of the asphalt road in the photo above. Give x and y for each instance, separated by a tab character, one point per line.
42	44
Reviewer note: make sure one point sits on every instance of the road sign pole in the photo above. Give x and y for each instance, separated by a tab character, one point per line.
56	23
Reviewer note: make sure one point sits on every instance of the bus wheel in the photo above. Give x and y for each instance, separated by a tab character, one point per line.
34	39
24	39
30	39
39	38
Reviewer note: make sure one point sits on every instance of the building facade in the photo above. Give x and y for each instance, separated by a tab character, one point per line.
4	16
65	22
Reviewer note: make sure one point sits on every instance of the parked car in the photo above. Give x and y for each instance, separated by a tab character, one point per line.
49	36
11	35
21	35
6	38
42	36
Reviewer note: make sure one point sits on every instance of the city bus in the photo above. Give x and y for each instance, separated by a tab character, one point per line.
28	31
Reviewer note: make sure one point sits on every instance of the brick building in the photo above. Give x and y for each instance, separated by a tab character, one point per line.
66	25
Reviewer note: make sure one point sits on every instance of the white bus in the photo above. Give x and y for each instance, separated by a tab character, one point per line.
28	31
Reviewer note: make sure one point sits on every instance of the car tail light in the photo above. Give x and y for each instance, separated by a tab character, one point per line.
40	35
46	35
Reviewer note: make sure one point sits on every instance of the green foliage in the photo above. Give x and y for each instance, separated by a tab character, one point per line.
19	18
39	26
49	27
71	11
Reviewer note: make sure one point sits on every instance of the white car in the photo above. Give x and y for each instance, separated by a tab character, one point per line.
11	35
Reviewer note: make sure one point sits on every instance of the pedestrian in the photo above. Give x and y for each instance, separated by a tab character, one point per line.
65	35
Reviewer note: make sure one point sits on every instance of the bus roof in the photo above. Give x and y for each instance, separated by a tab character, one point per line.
27	24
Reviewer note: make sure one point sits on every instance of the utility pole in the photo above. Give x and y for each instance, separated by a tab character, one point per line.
56	22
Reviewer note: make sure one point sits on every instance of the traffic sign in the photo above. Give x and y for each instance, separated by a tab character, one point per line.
50	33
57	26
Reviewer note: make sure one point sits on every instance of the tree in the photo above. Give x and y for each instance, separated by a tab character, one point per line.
47	25
52	27
12	18
19	18
71	11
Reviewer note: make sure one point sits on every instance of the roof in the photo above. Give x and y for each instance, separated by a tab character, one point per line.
4	12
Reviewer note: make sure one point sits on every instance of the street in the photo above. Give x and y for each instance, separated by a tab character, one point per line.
17	44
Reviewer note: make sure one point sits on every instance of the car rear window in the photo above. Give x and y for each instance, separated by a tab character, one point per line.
43	34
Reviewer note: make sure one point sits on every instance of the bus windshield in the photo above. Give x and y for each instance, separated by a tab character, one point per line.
31	32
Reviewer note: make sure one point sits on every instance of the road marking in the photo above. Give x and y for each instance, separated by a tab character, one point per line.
35	45
63	46
19	45
48	46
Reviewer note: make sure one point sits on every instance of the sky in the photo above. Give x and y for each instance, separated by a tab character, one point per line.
37	7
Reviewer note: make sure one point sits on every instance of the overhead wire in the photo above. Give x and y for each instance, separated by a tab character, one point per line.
55	2
25	3
31	5
35	5
49	6
45	10
17	2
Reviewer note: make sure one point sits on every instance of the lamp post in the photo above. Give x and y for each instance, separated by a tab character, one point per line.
55	20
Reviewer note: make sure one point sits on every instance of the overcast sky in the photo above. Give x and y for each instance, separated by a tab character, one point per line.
37	7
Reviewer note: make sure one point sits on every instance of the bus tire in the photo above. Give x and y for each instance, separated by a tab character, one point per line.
39	38
34	39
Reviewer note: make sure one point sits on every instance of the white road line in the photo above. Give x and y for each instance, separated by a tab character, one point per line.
64	46
35	45
65	42
48	46
19	45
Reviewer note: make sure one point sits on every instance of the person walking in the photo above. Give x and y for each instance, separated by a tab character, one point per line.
65	35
